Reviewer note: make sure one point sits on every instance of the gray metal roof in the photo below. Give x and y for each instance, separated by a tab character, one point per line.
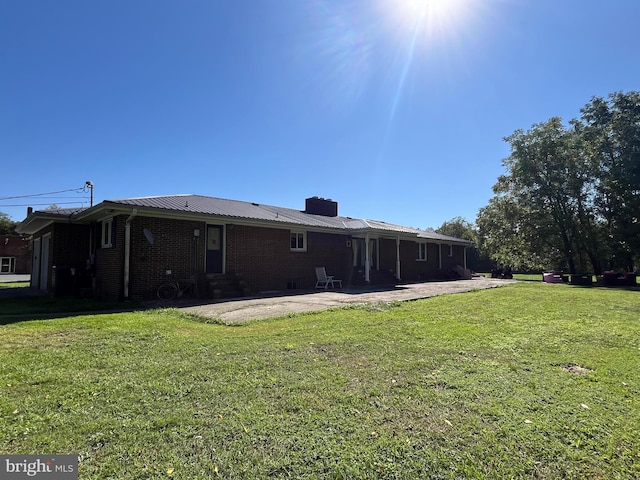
198	204
234	209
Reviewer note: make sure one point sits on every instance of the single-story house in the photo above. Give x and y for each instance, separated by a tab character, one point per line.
126	248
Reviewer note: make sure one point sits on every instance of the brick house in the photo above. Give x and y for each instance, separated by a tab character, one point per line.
15	254
126	248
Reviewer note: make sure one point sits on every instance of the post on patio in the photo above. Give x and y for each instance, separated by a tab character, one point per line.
367	264
397	258
465	257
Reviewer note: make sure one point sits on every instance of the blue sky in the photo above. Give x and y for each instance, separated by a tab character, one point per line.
395	109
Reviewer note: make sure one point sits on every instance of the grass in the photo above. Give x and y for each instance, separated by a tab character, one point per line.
528	277
13	284
526	381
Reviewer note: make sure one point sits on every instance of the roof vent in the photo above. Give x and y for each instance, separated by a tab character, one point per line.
321	206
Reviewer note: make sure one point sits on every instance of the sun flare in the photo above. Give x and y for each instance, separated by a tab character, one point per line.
432	18
421	26
435	7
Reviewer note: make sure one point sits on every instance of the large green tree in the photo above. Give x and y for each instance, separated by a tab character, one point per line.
507	234
457	227
541	197
570	197
611	132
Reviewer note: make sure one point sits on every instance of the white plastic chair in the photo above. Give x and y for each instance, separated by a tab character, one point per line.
323	280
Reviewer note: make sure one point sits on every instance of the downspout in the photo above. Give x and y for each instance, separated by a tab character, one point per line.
398	258
440	256
127	250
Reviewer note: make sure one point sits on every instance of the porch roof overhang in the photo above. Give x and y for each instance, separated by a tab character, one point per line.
40	219
386	230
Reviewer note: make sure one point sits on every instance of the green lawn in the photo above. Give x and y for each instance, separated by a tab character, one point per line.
530	380
529	277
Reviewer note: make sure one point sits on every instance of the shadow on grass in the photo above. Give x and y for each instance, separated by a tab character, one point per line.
23	304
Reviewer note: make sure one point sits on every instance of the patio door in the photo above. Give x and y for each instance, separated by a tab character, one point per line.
359	246
215	248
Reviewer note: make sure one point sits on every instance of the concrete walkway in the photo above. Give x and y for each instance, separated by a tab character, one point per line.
14	277
279	305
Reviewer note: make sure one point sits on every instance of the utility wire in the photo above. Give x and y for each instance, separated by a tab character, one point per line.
32	204
77	190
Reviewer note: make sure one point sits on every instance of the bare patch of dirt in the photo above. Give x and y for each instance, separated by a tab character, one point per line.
576	369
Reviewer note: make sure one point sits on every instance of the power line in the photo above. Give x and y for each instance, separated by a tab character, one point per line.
77	190
57	198
32	204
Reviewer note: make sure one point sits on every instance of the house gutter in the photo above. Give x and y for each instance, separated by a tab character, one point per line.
127	250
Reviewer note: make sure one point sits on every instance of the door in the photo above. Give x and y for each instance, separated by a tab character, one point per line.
35	269
215	249
358	246
44	262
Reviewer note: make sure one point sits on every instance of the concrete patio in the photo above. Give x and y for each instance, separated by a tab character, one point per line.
278	304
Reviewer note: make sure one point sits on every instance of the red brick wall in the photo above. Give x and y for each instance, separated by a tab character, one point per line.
264	259
174	248
18	247
261	255
70	245
109	263
457	257
410	268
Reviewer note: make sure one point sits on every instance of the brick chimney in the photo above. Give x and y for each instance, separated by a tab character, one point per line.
321	206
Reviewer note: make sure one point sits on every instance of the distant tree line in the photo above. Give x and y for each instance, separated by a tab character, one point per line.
570	197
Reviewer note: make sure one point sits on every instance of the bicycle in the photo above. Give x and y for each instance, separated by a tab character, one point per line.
176	288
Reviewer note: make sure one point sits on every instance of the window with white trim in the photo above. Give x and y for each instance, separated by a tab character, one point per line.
7	264
298	241
422	252
107	233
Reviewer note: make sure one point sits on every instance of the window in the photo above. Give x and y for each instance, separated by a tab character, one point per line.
107	233
7	264
298	241
422	252
451	250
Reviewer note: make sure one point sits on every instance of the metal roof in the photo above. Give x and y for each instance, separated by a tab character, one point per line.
199	205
